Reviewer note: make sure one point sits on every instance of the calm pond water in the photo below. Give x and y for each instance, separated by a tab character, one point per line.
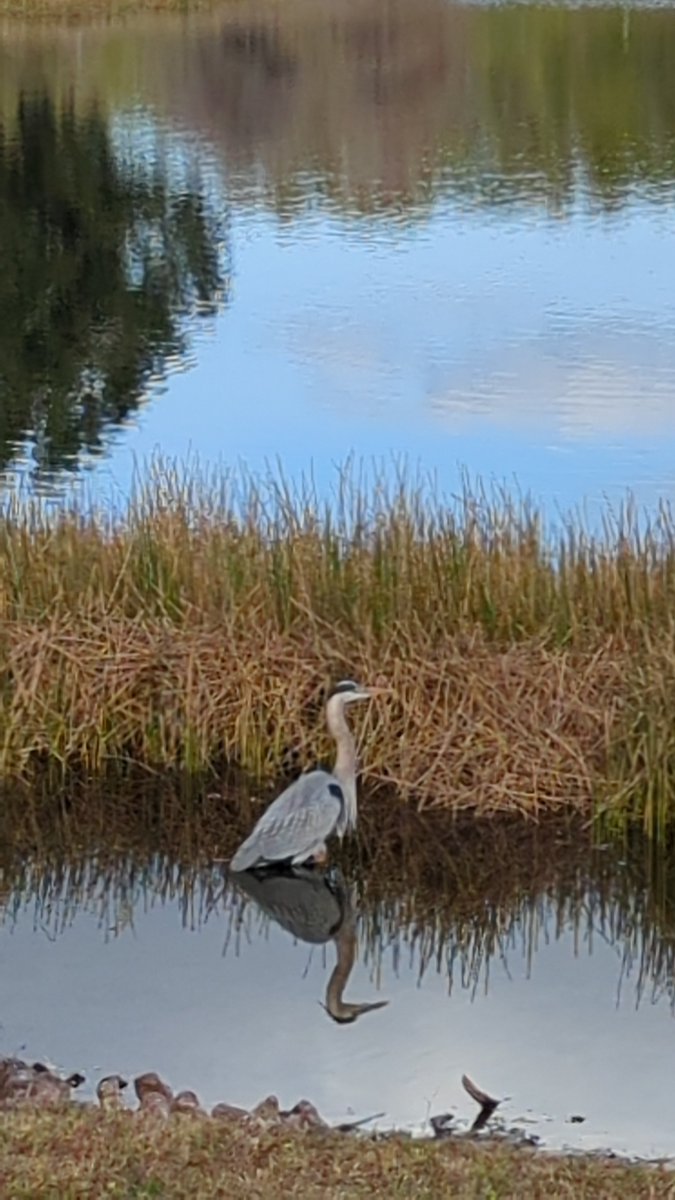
369	226
540	968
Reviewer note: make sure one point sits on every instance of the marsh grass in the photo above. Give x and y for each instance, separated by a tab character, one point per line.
530	670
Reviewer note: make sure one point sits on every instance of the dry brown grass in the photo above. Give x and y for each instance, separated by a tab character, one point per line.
527	672
467	724
72	1155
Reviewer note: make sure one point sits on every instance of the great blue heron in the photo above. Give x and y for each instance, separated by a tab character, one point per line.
296	825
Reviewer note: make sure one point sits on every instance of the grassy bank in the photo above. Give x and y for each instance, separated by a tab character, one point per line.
528	672
68	1155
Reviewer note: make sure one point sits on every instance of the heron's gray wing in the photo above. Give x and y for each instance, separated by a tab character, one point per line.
303	816
301	901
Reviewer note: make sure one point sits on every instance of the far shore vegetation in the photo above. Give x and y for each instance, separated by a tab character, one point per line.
70	1154
88	10
529	670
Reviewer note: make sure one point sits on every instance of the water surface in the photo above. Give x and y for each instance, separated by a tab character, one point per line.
370	227
543	970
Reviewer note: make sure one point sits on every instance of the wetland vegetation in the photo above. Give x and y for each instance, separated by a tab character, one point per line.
530	670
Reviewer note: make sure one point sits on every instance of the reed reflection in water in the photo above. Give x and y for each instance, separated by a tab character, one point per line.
453	898
525	970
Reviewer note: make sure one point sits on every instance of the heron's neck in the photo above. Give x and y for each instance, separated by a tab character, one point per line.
345	762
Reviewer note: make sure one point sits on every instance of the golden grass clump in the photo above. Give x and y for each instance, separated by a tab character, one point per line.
529	670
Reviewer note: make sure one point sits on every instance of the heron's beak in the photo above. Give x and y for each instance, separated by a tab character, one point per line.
368	693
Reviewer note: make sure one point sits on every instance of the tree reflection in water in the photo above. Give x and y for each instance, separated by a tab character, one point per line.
102	262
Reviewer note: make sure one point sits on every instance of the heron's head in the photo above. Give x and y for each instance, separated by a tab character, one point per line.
347	692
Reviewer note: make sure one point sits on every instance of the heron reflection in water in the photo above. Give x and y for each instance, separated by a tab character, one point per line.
295	827
313	906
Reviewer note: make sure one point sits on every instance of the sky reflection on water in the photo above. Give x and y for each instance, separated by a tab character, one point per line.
427	249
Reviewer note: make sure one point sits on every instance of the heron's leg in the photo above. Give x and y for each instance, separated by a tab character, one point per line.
335	879
317	853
